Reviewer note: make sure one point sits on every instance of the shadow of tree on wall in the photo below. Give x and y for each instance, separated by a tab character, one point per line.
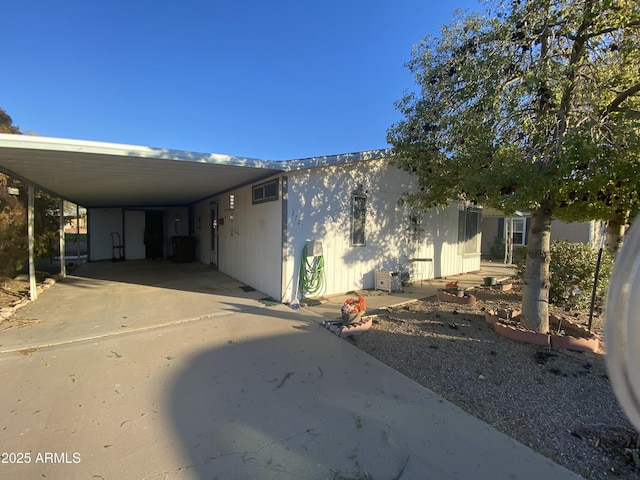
320	208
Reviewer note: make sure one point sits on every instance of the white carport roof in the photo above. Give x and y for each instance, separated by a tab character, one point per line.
96	174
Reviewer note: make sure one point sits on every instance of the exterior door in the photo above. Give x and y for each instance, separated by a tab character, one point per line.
154	234
213	259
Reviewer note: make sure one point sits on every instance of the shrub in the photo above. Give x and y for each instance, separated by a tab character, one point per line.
496	250
572	268
13	227
13	235
520	258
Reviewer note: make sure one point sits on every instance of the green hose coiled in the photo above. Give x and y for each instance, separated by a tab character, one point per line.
311	279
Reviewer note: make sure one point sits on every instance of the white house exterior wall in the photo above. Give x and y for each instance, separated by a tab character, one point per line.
578	232
249	239
134	248
103	221
177	221
202	226
319	208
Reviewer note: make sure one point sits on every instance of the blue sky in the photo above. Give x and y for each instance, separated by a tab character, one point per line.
272	79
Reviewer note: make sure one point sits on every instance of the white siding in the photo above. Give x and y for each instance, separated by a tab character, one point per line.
103	221
441	231
319	208
202	226
578	232
249	240
134	248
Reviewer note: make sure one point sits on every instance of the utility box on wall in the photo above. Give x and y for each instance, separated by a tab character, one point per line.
314	248
388	280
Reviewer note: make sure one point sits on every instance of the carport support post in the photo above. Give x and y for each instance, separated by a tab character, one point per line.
510	240
78	233
33	294
63	265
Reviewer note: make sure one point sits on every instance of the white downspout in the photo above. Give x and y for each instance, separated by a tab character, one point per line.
510	240
506	241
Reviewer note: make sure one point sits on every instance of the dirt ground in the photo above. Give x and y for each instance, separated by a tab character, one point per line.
13	290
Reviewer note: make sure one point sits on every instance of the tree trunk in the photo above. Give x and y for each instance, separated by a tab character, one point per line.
615	231
535	293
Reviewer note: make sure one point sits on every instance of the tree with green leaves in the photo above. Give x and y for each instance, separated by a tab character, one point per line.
13	217
532	105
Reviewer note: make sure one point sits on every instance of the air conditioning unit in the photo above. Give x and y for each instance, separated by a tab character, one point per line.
388	280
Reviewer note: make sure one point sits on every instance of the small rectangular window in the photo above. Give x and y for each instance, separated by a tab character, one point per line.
358	220
266	192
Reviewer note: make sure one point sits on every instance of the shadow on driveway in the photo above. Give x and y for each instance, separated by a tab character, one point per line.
104	299
282	399
226	388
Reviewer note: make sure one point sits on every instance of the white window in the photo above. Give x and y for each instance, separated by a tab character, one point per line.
518	234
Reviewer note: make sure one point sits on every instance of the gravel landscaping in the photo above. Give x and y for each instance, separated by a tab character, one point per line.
558	402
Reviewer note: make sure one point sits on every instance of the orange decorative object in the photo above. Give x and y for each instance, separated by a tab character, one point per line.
353	305
451	284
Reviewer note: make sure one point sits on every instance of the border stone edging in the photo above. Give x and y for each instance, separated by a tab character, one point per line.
351	329
522	335
587	342
450	297
580	344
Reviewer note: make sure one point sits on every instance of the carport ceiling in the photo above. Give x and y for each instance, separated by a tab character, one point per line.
95	174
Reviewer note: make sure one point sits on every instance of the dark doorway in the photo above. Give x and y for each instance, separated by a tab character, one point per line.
154	234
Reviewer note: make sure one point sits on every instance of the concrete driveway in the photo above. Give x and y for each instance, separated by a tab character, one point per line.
152	370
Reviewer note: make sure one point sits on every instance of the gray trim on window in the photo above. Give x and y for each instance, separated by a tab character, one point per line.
358	220
266	192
